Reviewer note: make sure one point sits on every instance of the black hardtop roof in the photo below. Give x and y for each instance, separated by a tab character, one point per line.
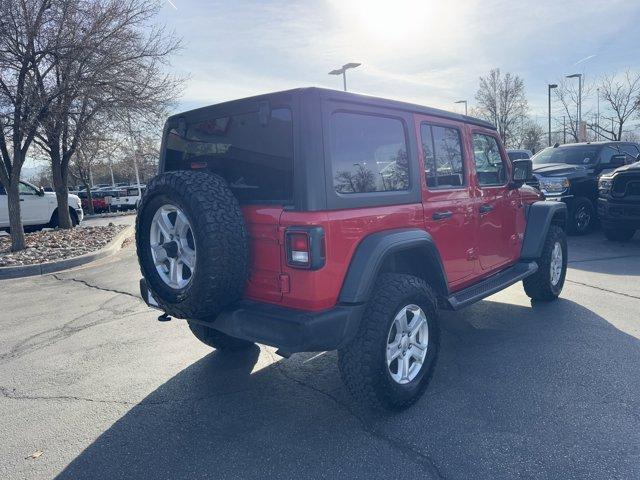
356	98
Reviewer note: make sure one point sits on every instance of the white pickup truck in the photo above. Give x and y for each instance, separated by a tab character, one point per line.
127	198
37	207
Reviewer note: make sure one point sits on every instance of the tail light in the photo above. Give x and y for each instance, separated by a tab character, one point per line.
305	247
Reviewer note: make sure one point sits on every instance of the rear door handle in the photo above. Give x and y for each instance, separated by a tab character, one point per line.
486	208
441	215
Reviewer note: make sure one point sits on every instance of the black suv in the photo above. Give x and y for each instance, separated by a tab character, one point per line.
619	202
569	173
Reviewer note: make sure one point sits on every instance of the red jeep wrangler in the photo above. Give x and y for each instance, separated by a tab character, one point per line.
314	220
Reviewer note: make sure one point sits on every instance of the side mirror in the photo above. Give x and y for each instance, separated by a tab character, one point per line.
522	172
41	191
617	161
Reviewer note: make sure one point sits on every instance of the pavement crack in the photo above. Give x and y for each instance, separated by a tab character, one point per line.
394	443
12	394
96	287
603	289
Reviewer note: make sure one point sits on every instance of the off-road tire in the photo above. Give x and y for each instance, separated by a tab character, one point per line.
221	240
362	362
573	227
619	234
539	286
217	339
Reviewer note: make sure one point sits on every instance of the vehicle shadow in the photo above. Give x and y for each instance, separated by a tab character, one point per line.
548	391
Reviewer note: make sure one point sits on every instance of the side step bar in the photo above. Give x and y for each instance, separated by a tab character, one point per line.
491	285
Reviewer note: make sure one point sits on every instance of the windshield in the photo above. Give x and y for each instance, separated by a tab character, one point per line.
584	155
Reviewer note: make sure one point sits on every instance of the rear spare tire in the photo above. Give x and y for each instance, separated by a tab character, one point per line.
192	244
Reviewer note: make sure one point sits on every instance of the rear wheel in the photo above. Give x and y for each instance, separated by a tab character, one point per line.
216	339
619	234
546	284
389	363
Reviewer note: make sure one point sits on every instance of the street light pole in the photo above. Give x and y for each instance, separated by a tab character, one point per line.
343	71
465	106
549	87
598	117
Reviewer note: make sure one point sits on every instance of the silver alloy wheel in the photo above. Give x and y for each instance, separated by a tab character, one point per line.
173	246
556	263
407	344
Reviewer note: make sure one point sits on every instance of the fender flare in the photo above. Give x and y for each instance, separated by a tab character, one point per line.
540	215
374	249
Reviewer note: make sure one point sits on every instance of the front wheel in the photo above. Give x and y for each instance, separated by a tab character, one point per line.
389	363
581	217
546	284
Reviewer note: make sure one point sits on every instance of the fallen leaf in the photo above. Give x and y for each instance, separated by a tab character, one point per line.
35	454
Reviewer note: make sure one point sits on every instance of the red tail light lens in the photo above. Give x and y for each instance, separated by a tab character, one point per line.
305	247
299	248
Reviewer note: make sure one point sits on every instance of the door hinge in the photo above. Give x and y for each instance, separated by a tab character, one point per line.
285	283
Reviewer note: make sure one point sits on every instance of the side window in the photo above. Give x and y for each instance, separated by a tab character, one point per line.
490	169
368	153
606	153
25	189
630	151
442	151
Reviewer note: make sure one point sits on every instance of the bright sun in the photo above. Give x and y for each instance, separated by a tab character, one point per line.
395	21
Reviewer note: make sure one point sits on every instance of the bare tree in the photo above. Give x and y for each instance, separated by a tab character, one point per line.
567	93
501	100
114	64
621	96
90	153
26	39
532	136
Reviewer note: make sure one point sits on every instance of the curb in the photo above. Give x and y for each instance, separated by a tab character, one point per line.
42	269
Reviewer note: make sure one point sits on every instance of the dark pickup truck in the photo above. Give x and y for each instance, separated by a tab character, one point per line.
619	202
569	173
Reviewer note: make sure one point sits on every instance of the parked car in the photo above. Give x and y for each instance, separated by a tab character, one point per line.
619	202
98	198
38	208
519	154
308	220
569	173
127	198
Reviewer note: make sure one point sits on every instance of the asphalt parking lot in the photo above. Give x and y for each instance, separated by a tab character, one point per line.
89	378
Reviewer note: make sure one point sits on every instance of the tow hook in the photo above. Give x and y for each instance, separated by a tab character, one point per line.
164	317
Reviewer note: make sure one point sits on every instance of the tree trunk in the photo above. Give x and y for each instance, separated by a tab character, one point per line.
15	221
89	198
62	194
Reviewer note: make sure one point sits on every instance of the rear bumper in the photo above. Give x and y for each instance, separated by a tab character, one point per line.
287	329
618	214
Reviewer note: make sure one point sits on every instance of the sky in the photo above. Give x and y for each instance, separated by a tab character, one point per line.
423	51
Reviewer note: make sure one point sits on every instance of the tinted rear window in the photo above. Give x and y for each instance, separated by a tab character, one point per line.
254	153
368	153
